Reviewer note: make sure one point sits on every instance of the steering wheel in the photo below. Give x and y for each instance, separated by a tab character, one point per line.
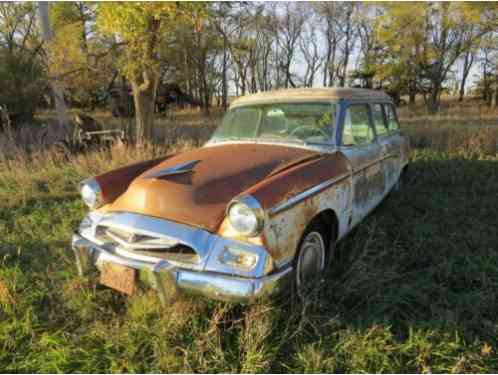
309	129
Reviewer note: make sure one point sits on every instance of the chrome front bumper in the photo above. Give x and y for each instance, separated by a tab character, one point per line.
169	280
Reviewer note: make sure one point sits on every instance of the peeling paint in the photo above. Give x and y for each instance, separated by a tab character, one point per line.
285	229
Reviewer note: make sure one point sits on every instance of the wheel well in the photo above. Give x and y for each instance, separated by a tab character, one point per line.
329	220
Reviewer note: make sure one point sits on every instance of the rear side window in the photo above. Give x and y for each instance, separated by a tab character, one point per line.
392	120
379	119
357	129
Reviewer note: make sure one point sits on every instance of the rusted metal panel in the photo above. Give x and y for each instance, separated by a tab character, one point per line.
281	187
114	183
200	197
284	228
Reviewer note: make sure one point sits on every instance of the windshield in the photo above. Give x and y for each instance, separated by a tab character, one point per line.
287	122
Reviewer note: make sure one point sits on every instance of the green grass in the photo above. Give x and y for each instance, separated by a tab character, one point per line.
413	288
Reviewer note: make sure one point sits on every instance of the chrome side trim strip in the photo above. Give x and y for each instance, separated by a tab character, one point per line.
306	194
391	156
370	163
367	165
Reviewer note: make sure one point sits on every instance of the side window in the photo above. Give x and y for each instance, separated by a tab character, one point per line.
379	119
392	121
357	129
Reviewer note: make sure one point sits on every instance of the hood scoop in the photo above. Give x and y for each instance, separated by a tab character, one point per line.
175	170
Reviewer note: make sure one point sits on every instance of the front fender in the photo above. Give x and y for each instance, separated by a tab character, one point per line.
292	198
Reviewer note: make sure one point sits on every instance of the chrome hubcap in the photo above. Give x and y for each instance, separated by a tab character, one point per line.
311	259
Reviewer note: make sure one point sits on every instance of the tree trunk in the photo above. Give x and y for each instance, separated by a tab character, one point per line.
412	92
469	60
433	101
58	94
224	85
144	98
326	66
411	97
494	95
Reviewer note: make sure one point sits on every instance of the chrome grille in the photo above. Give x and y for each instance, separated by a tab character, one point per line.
145	245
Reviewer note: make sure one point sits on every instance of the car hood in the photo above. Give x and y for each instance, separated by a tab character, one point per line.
195	187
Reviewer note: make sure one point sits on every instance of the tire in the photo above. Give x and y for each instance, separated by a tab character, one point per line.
400	183
398	186
310	260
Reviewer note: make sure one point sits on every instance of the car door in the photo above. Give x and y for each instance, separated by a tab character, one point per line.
359	144
390	139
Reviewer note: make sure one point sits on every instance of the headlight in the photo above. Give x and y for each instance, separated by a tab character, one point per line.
246	216
239	258
91	193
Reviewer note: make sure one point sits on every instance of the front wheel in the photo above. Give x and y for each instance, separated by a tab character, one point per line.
310	261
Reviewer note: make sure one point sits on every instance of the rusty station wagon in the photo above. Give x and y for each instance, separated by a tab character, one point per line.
256	210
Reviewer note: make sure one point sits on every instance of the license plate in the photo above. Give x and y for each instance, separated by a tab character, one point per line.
118	277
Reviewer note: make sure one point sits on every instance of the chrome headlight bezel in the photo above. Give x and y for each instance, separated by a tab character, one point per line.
256	214
91	193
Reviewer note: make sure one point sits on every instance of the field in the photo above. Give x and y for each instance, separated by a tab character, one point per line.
413	289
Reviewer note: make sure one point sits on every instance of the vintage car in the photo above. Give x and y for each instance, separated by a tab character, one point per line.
258	209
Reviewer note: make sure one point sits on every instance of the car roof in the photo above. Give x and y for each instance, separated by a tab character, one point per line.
311	94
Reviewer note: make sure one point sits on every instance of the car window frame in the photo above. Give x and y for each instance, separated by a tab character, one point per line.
345	107
384	115
398	129
335	111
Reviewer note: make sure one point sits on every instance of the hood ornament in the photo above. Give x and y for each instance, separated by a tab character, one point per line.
177	169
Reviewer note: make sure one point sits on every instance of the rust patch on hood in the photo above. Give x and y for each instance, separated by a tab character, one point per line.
114	183
200	197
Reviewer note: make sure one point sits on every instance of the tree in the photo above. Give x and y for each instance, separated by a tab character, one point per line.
21	71
438	35
404	47
349	32
328	13
309	47
290	26
78	57
369	56
468	62
143	30
340	35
